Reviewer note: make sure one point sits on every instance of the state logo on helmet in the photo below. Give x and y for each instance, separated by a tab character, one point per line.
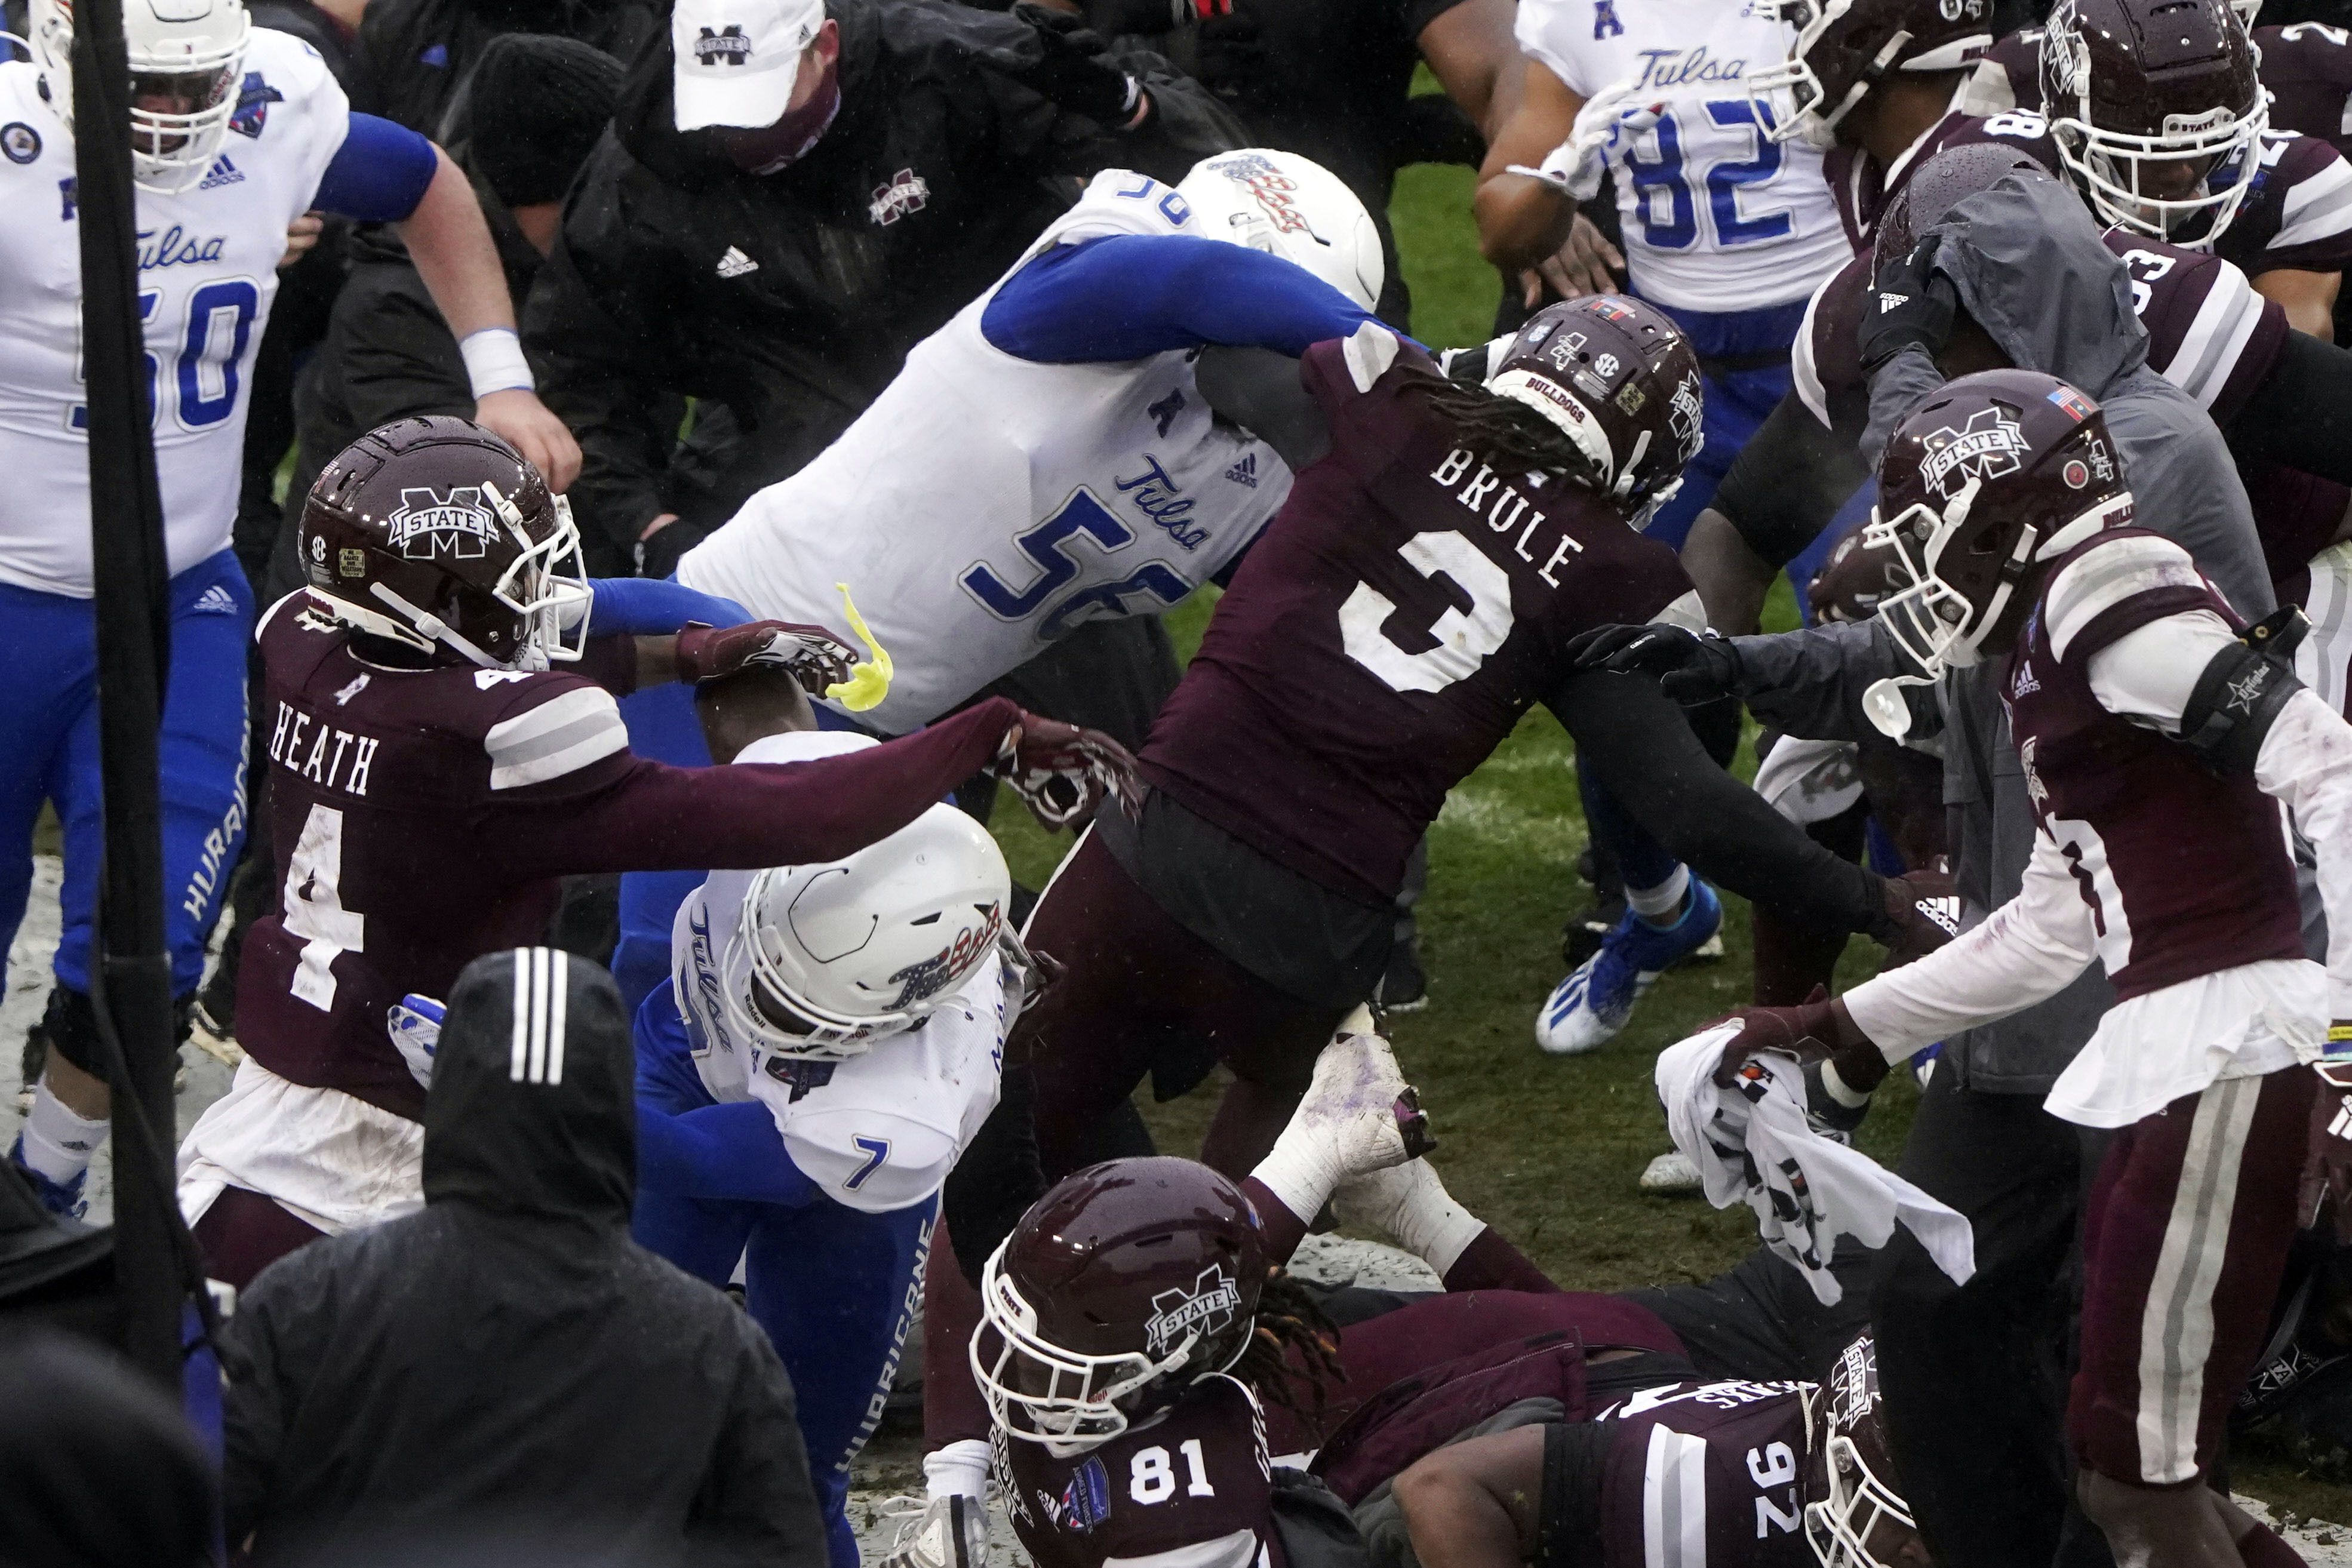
1120	1287
2157	111
827	959
1856	1513
186	62
1980	490
435	534
1619	380
1289	207
1839	50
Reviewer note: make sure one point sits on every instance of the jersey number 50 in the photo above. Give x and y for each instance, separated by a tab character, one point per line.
217	329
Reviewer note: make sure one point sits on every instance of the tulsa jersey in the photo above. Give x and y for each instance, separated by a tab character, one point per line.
985	503
877	1132
1716	217
208	272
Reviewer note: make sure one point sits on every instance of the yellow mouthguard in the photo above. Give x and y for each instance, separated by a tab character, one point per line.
870	683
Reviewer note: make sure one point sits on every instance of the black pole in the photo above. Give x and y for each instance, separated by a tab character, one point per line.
130	975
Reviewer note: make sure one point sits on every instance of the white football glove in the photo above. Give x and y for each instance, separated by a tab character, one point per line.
1359	1115
414	1025
1604	128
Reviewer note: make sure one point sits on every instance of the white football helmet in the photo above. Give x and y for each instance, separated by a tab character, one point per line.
1292	208
829	959
188	52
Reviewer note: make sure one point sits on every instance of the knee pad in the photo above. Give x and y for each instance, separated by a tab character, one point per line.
70	1025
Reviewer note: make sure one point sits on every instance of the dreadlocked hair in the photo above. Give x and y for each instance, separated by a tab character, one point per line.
1508	429
1293	1349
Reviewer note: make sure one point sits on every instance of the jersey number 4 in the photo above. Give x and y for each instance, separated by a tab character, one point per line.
1465	632
314	907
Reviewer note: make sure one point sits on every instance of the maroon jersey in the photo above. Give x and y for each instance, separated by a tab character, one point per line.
1706	1473
2298	212
2167	905
2307	68
1862	186
1199	1474
421	817
1394	620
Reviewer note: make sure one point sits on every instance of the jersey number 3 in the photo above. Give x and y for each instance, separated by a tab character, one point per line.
1464	633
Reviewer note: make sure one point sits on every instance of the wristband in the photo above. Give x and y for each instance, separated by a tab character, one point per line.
494	361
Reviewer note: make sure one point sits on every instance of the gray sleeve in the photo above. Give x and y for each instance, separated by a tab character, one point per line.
1898	387
2189	490
1260	391
1809	683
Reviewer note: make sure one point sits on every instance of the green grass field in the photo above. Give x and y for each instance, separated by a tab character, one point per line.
1547	1149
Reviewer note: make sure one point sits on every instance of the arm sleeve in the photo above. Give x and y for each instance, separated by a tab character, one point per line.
1129	296
631	813
380	173
1639	745
2026	952
2305	764
2300	415
757	1503
1261	391
1810	682
1790	478
1900	384
652	606
720	1151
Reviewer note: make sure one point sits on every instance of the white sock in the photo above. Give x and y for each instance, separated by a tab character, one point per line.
1412	1205
1660	905
959	1469
58	1143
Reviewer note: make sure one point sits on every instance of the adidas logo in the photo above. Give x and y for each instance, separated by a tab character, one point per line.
735	264
215	600
1245	472
224	172
1945	912
2025	680
1888	302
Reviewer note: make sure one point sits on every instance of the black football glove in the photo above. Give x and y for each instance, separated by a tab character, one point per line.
1923	913
658	556
1690	668
1075	69
1911	305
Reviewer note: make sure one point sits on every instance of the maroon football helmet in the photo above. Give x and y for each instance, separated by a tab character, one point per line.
1987	482
435	533
1119	1289
1619	377
1943	182
1840	48
1856	1514
2157	111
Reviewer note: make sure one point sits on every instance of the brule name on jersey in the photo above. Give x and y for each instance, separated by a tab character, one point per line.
1194	1486
1397	617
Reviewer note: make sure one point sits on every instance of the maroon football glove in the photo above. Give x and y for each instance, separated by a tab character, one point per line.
1923	913
1813	1029
811	654
1063	773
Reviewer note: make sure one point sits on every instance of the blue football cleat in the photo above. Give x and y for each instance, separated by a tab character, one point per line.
67	1201
1586	1009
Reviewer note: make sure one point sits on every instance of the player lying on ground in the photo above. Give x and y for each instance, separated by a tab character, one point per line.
828	1041
432	776
2141	704
1144	1357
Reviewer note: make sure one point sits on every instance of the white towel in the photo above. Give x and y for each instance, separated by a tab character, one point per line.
1752	1140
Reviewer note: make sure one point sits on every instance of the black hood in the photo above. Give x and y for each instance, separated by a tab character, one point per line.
533	1109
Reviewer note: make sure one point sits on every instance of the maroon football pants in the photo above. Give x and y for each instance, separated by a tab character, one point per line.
244	1233
2183	1244
1136	987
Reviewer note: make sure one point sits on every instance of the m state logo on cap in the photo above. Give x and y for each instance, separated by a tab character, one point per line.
724	45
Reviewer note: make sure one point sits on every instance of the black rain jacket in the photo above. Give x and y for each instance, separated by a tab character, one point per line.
792	297
504	1376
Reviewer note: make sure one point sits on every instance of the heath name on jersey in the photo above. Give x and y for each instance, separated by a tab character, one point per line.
877	1132
207	273
986	503
1716	216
